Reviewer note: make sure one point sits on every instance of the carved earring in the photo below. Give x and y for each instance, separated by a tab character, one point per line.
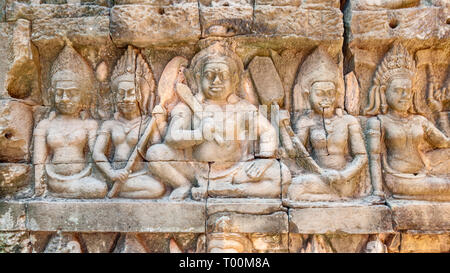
384	106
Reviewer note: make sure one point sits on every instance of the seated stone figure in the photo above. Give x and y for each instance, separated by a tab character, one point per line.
62	142
216	134
132	95
335	154
403	133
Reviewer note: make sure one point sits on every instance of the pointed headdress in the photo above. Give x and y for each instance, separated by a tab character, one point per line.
132	67
318	67
397	63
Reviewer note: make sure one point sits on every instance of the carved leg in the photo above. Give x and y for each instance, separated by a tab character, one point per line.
267	185
429	187
142	187
87	187
164	165
310	187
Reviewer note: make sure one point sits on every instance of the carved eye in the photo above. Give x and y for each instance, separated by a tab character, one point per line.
225	76
209	75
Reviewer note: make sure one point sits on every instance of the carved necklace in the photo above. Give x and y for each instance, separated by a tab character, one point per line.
129	125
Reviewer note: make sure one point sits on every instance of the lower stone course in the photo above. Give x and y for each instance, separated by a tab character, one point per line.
263	225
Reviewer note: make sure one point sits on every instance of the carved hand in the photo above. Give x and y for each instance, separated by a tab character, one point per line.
119	175
331	176
198	193
256	168
437	97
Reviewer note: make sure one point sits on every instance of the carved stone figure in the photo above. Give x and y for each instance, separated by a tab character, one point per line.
210	126
62	141
404	133
335	154
133	89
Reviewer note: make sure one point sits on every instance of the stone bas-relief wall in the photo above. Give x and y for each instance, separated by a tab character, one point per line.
225	126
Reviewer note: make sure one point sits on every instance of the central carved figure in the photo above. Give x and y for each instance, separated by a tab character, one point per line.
211	126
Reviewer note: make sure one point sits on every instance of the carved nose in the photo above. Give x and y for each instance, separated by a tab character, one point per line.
64	97
216	80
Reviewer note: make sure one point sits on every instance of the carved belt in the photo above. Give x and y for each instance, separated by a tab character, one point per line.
83	173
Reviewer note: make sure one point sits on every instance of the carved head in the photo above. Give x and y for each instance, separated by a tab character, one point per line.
319	84
72	82
217	71
392	86
132	83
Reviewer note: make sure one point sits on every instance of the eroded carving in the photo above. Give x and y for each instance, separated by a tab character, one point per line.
133	89
210	126
397	134
335	154
63	141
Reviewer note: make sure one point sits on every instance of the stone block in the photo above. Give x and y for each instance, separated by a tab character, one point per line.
157	3
16	124
420	215
354	220
244	205
324	25
116	216
12	215
6	30
425	243
33	12
225	18
276	222
144	25
246	215
14	176
92	30
366	27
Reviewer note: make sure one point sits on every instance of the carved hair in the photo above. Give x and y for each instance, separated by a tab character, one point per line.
219	52
70	66
396	63
132	67
318	67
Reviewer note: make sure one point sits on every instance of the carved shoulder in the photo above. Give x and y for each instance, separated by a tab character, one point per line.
107	126
351	120
42	127
303	121
91	124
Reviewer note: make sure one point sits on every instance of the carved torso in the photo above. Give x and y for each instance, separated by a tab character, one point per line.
67	141
402	139
328	139
231	121
125	136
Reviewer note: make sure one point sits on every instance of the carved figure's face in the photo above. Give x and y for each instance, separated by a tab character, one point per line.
126	97
322	97
399	94
216	81
68	97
